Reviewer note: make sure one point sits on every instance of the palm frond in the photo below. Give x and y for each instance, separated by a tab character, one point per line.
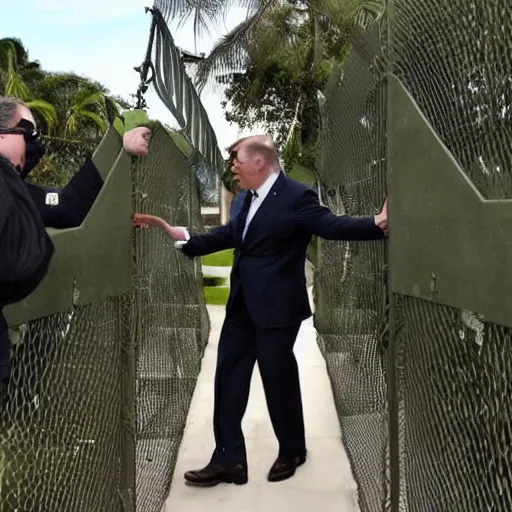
46	110
12	44
334	10
6	50
278	38
203	12
112	109
365	12
85	98
250	6
71	127
96	118
230	54
14	85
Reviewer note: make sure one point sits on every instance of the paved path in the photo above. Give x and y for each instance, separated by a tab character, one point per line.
216	271
324	483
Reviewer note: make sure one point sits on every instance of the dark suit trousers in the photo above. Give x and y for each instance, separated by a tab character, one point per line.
241	344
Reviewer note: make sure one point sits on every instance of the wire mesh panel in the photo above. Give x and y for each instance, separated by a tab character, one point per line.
97	402
60	435
454	58
350	290
455	378
454	369
173	322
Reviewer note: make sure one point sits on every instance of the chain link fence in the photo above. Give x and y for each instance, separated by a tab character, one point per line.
445	383
350	291
99	394
174	325
453	370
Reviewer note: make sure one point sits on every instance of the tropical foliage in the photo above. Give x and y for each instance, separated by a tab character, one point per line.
71	111
276	60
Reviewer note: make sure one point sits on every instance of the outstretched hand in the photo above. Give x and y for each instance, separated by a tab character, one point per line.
381	219
136	141
146	221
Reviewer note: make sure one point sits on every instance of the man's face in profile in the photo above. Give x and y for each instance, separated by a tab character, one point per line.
244	166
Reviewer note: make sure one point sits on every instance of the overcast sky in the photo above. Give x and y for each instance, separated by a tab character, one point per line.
104	40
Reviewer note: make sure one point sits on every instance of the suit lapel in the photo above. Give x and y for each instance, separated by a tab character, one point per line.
267	205
238	225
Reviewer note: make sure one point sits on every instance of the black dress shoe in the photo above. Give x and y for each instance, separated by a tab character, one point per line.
284	467
214	474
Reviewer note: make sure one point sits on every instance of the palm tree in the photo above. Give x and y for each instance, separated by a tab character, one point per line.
80	104
18	75
65	104
299	30
87	106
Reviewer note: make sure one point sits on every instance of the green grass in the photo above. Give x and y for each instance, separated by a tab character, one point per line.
216	295
219	259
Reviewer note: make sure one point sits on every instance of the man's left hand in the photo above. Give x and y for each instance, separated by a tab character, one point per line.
381	219
136	141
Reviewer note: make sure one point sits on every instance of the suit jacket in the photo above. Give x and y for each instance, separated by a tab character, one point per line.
237	204
269	264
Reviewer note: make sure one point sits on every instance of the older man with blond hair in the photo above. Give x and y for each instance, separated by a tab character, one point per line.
267	303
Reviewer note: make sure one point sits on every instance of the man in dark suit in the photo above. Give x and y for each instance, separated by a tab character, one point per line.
267	304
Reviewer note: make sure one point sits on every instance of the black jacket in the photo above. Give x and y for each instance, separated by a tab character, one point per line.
25	247
269	263
68	207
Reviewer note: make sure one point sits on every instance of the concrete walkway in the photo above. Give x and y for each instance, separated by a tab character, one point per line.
216	271
324	483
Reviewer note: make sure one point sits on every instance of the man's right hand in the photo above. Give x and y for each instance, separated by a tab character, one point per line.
146	221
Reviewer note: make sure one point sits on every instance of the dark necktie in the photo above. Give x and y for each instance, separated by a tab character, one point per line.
242	215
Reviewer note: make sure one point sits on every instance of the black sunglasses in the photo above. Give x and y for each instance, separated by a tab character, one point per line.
25	128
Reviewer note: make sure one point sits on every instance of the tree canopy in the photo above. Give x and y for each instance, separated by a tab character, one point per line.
275	62
70	110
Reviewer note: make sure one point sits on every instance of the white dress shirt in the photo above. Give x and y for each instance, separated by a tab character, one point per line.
257	200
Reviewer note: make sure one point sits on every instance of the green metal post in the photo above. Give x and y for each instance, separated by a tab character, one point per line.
132	332
392	385
393	406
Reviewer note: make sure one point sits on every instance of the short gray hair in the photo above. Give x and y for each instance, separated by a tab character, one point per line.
261	144
8	108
